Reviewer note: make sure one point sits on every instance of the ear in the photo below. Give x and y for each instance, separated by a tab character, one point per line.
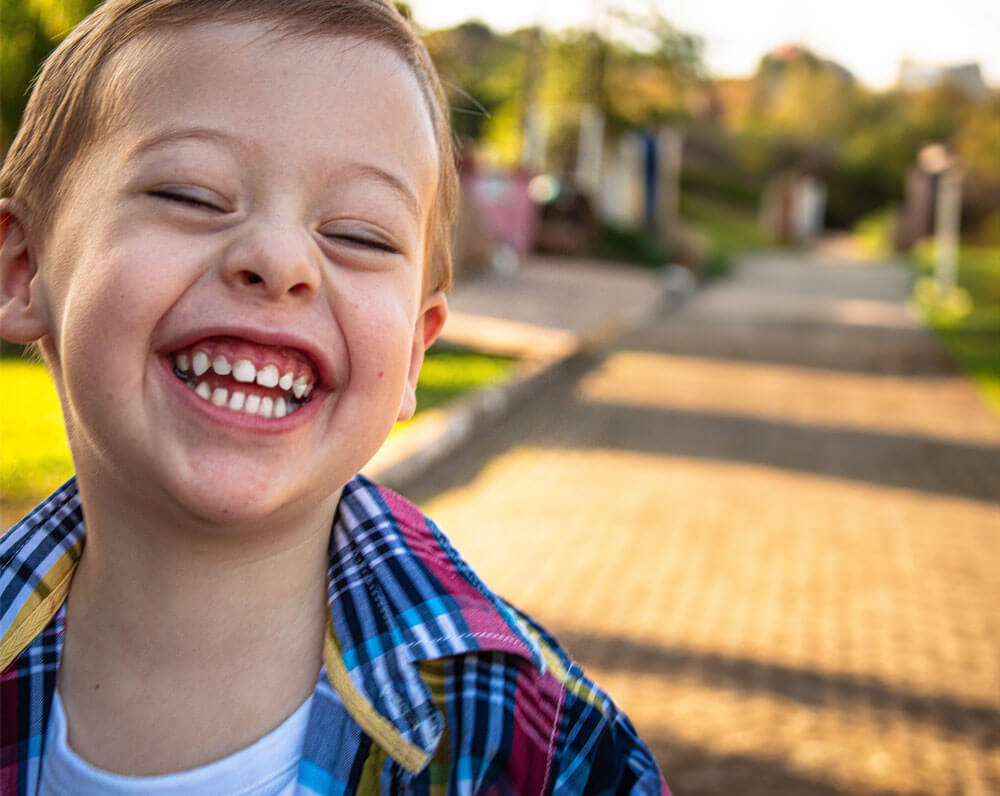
433	314
22	319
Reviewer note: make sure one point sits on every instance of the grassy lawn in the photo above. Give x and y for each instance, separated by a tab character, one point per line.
446	374
969	323
730	231
34	457
726	229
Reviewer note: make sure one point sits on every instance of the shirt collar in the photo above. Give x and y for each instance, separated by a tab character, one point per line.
37	559
398	594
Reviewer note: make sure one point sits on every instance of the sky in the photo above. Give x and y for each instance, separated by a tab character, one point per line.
868	37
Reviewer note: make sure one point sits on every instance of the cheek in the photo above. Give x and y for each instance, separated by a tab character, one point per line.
126	281
105	302
381	313
100	303
378	328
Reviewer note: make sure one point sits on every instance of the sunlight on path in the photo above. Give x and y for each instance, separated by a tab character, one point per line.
937	406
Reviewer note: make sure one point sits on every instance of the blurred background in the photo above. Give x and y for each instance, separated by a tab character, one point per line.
719	399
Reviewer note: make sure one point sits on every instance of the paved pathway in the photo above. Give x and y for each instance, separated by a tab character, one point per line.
769	525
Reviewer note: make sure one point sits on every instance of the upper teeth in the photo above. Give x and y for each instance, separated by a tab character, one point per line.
244	371
268	376
199	363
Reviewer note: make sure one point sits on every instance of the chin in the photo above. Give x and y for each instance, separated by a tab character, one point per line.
241	500
248	512
232	510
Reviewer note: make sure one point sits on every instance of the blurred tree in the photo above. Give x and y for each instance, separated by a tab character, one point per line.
802	111
977	141
652	72
29	31
798	94
495	80
482	72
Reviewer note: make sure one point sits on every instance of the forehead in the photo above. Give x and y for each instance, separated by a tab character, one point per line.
324	98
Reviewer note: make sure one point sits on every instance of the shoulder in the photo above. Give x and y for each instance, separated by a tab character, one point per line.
548	730
519	715
38	556
417	581
592	746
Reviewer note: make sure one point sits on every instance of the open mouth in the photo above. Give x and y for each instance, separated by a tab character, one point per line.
266	381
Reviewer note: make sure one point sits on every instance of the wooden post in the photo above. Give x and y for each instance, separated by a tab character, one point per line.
590	150
671	150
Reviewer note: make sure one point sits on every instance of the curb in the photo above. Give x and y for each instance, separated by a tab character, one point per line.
438	433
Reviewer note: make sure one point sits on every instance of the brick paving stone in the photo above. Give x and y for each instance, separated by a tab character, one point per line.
769	526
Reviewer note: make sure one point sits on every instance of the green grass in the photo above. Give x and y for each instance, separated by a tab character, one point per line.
628	245
968	323
34	456
448	373
873	234
726	231
730	231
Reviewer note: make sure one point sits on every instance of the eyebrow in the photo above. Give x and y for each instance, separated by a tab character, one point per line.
174	135
388	179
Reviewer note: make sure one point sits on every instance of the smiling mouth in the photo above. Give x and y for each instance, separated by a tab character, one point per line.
266	381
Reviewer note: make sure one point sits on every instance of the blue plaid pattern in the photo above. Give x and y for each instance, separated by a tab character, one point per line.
431	683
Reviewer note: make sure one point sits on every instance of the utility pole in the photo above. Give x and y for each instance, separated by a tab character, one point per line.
942	166
593	109
947	222
533	128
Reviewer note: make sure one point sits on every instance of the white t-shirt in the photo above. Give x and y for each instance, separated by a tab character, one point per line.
265	768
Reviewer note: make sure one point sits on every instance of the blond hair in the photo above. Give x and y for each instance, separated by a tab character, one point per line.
70	101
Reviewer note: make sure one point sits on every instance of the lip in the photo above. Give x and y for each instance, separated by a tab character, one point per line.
240	420
320	358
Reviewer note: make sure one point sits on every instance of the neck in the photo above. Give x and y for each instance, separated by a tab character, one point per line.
195	581
220	629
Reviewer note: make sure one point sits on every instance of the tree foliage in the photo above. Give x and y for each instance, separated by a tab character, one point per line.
29	31
801	111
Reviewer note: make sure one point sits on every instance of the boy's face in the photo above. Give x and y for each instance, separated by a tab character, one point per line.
262	201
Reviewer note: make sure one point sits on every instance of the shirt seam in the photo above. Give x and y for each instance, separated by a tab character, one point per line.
550	753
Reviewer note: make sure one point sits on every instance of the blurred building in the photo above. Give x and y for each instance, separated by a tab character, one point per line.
919	75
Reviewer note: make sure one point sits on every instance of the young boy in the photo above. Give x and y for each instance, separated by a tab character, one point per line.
226	231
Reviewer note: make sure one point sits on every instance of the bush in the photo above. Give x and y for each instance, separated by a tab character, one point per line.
629	246
967	319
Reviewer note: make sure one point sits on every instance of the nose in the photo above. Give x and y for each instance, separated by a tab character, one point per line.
274	262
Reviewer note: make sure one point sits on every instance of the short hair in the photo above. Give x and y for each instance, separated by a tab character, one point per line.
70	101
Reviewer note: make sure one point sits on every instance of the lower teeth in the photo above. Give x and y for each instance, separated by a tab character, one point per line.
250	406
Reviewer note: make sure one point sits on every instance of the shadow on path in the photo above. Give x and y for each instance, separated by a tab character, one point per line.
694	771
556	418
893	460
978	722
852	349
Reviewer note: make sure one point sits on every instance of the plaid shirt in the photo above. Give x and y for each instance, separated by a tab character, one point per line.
431	684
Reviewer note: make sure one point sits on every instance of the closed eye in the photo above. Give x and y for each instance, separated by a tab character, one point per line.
185	198
365	243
